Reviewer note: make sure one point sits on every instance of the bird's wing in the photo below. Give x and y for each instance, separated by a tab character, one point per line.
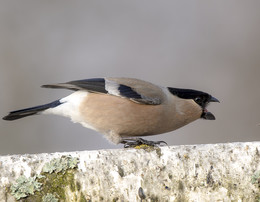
133	89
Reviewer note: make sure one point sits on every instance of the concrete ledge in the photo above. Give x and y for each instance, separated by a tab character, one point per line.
220	172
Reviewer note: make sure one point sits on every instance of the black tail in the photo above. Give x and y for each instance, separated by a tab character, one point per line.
30	111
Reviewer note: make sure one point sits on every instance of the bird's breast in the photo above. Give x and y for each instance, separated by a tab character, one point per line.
108	113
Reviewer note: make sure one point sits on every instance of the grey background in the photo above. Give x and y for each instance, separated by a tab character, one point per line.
213	46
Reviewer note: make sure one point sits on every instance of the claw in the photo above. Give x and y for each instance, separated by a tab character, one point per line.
130	143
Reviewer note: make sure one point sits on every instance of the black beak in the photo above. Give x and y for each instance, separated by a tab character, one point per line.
213	99
208	116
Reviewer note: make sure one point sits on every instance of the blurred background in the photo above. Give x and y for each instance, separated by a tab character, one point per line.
213	46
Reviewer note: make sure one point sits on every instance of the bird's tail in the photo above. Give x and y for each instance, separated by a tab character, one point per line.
30	111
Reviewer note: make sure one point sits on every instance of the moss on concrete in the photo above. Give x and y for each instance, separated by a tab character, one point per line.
149	148
54	183
58	183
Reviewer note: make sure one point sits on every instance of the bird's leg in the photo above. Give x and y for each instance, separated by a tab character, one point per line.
133	142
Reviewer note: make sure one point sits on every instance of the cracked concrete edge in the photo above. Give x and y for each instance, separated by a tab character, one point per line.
212	172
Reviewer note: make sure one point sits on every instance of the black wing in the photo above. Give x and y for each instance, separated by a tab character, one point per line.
106	86
93	85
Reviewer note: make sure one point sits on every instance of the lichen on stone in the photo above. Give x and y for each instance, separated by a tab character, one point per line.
49	198
25	186
59	177
256	178
56	177
60	164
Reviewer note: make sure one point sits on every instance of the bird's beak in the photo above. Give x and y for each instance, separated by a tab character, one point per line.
213	99
208	116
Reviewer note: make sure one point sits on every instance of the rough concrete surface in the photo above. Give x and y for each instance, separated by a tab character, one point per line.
219	172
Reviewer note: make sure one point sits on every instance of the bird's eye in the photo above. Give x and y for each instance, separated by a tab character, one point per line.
198	99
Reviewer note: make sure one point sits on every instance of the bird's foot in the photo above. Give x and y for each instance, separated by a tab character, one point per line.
134	142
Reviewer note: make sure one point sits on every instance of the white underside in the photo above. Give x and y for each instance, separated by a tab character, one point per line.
70	108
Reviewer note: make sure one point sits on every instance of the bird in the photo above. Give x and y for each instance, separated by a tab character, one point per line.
125	109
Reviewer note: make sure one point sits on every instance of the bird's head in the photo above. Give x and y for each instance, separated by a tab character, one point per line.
199	97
